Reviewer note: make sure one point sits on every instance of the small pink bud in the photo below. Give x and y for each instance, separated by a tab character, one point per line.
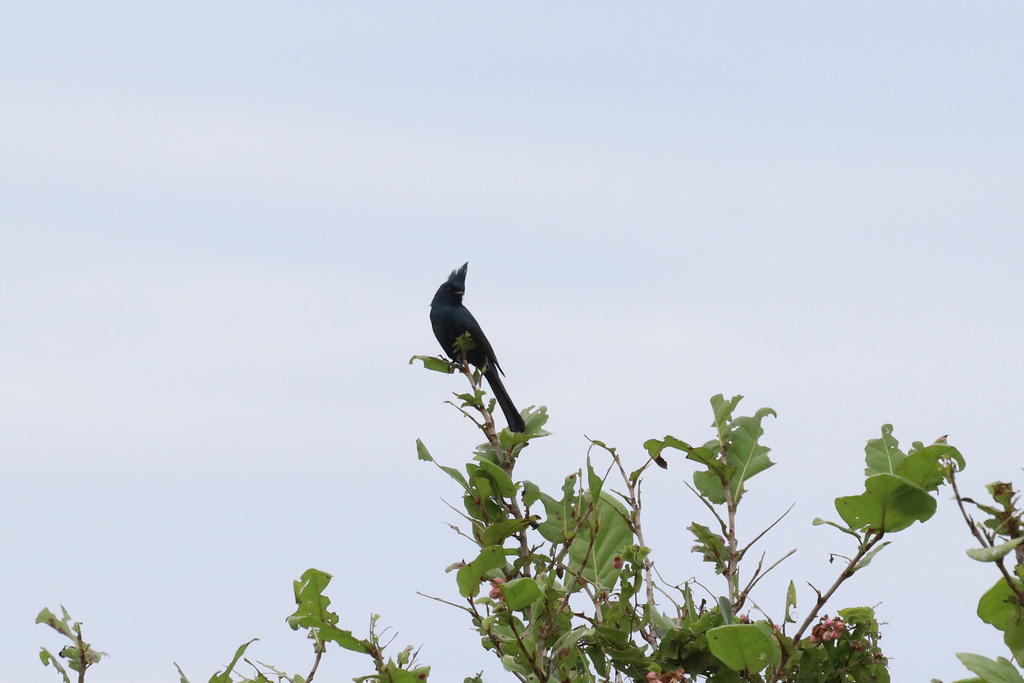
617	562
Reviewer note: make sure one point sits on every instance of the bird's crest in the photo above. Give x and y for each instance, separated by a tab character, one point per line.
458	277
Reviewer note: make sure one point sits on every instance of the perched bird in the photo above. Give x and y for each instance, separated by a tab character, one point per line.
450	320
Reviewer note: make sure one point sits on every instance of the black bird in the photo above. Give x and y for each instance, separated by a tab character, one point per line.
450	320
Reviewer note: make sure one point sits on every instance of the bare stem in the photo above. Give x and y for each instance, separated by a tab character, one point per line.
316	663
636	504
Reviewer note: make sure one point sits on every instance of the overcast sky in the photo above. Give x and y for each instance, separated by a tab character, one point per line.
222	224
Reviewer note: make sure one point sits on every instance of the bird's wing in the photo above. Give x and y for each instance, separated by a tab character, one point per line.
465	320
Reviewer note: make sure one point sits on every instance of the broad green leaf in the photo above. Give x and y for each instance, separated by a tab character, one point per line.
535	419
999	671
710	485
612	537
496	533
434	363
998	604
418	675
1013	634
924	466
743	647
506	488
520	593
470	576
482	485
890	504
313	612
744	452
994	553
313	604
723	414
883	455
553	528
745	457
655	447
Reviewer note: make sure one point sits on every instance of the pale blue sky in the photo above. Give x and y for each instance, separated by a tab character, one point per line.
222	224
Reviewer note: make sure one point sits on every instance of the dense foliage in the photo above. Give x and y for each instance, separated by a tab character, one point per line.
562	586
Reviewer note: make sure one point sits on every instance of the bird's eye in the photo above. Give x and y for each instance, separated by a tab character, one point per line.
448	288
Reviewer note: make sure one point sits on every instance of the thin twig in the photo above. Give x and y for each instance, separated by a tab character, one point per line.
985	542
316	663
451	604
758	576
758	537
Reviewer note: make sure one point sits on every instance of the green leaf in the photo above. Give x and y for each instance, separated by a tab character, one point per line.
1013	634
612	537
496	533
818	521
225	676
435	363
711	546
744	452
725	609
866	560
506	488
925	466
744	456
710	485
553	527
48	659
61	626
790	602
998	604
994	553
418	675
470	576
890	504
520	593
655	447
999	671
593	480
421	452
883	455
723	414
313	612
181	673
313	605
743	647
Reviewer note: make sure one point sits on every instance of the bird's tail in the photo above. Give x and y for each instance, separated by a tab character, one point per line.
515	420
